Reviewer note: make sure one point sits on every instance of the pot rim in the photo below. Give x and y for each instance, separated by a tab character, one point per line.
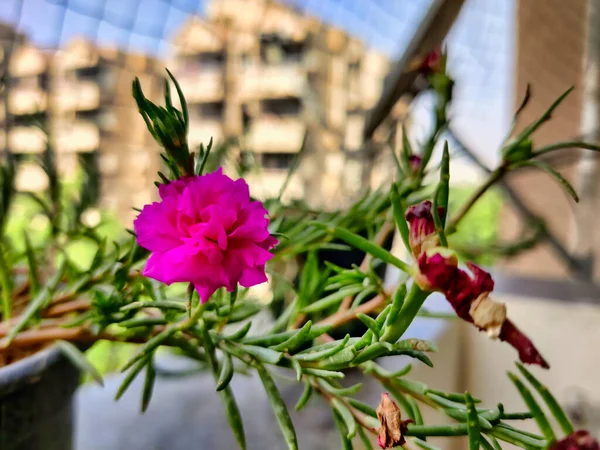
27	370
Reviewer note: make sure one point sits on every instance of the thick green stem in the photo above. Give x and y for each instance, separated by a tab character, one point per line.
412	305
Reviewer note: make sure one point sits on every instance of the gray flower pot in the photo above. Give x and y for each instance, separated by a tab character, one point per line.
36	402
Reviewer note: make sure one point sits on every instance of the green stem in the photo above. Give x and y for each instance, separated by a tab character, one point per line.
415	299
561	145
459	429
493	178
6	287
193	319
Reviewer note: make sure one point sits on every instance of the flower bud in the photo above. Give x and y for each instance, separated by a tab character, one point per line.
578	440
421	228
391	433
414	161
517	151
438	267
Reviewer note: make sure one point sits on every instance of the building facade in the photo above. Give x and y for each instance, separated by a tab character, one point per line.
266	72
257	74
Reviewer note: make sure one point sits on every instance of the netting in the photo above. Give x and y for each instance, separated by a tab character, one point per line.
481	41
141	37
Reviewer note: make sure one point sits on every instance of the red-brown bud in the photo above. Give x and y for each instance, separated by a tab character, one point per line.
578	440
421	234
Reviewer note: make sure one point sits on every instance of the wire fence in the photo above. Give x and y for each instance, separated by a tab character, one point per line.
140	37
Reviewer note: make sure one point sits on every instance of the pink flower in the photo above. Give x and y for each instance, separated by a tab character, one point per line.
578	440
469	296
206	231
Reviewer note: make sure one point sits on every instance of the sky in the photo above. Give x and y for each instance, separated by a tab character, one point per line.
480	44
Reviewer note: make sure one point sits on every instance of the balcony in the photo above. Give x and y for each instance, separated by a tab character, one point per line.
27	100
78	137
202	87
272	135
26	140
201	132
272	81
267	183
81	95
354	132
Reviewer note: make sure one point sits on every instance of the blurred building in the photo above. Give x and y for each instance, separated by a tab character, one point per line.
270	73
255	73
81	95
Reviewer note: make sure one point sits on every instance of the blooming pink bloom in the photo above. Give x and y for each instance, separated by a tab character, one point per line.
206	231
578	440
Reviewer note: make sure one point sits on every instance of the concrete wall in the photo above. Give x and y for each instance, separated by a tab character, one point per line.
549	56
568	336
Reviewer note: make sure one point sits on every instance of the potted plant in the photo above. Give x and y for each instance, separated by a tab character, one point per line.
183	281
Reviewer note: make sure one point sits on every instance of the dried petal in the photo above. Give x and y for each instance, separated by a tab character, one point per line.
438	269
528	354
391	433
488	315
469	296
578	440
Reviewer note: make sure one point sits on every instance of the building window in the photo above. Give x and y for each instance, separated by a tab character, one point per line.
88	73
246	60
276	49
29	120
284	107
87	116
211	61
281	161
44	80
105	120
28	81
208	111
354	68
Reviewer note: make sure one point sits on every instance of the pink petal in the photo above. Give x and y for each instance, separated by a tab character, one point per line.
253	276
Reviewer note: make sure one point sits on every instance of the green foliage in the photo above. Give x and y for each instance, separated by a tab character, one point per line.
332	318
480	228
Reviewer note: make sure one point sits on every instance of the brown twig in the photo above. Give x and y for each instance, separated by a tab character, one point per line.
64	308
80	334
342	317
6	326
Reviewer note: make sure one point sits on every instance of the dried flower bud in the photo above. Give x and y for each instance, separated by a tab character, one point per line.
578	440
422	234
438	267
469	296
431	62
414	162
391	433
